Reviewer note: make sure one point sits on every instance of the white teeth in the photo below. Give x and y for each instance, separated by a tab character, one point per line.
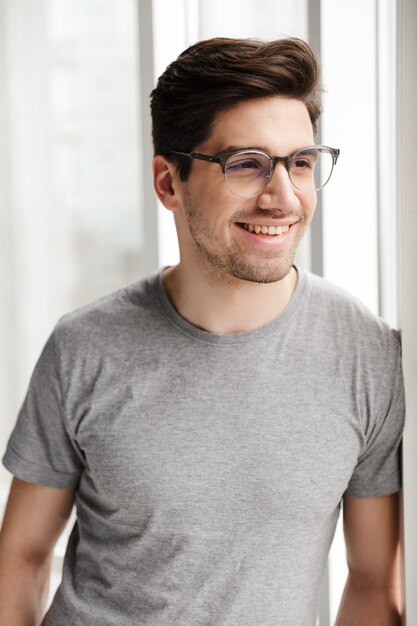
266	230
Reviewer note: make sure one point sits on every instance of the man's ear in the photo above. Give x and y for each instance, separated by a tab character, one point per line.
166	183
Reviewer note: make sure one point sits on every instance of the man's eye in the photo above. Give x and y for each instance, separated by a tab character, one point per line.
301	164
244	164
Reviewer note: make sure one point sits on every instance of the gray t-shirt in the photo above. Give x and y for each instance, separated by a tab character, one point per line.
209	468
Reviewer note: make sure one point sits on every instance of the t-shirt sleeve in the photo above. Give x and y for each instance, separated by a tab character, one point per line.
378	471
40	449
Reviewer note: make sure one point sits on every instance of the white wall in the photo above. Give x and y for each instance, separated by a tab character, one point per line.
407	281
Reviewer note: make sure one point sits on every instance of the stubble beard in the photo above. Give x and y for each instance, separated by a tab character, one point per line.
228	265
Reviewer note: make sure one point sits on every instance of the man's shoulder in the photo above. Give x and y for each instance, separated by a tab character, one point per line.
343	313
331	293
336	298
110	314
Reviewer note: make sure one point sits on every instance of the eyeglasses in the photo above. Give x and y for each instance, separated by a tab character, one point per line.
248	172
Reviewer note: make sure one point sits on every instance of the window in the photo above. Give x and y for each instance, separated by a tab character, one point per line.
78	217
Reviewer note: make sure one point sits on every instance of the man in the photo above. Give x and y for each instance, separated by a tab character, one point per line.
209	421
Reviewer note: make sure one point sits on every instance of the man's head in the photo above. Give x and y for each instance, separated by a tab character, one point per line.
214	75
220	98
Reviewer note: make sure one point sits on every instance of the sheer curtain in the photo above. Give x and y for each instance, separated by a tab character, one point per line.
70	180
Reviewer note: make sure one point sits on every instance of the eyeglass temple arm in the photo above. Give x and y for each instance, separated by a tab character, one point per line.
207	157
197	155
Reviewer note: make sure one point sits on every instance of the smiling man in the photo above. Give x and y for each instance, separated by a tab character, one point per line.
210	421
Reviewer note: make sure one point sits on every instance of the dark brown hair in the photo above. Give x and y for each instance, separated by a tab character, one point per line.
213	75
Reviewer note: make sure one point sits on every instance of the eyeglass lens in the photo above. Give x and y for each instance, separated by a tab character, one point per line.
247	172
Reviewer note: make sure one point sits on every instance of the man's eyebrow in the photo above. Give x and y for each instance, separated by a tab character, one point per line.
236	148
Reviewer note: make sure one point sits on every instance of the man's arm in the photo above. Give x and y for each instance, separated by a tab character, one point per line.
35	517
372	593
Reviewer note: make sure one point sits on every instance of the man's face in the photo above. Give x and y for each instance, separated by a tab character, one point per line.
213	224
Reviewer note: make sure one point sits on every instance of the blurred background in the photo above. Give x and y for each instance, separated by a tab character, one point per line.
78	215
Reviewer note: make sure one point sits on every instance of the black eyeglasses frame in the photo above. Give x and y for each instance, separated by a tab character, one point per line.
273	160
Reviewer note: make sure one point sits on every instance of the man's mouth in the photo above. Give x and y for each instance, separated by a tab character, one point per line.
259	229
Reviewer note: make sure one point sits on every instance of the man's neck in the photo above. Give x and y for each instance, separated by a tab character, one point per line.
226	308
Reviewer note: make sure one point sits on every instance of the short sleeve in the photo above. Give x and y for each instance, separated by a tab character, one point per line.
378	471
39	449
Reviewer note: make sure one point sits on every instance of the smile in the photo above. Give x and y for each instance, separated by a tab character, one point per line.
265	230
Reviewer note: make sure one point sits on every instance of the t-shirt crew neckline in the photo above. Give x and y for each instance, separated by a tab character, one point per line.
205	336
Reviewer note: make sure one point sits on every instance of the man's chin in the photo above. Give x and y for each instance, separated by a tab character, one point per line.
264	275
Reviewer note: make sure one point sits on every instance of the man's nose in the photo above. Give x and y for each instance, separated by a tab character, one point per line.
279	193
